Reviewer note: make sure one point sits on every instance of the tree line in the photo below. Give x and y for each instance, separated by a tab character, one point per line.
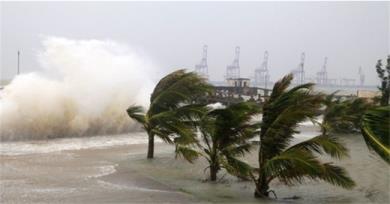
223	135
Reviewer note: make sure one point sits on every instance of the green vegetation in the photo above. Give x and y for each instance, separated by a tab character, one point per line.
342	116
172	109
375	122
375	129
291	164
357	114
384	76
225	135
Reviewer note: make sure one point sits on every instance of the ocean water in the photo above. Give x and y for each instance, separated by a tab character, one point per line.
371	174
50	151
113	168
67	144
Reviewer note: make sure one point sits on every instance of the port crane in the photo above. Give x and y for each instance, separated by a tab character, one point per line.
202	68
233	70
261	73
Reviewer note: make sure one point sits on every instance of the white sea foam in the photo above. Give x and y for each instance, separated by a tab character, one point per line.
104	170
84	89
65	144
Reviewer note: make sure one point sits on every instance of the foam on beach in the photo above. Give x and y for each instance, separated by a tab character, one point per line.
69	144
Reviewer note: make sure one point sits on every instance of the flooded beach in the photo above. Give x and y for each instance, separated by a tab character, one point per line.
113	169
194	102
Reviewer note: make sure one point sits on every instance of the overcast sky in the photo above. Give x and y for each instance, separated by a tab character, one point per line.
351	34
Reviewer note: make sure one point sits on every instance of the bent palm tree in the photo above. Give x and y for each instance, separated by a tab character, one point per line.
291	164
342	115
172	108
333	113
356	109
384	76
225	135
375	129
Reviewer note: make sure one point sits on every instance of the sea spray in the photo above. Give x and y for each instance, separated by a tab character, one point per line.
84	89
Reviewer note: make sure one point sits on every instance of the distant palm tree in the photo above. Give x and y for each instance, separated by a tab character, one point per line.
376	131
342	115
225	135
172	108
356	109
282	113
384	76
333	113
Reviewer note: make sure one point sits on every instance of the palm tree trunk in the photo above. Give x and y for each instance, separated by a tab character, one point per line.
262	188
213	172
214	165
150	146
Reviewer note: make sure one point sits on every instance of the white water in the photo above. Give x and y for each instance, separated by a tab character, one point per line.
99	142
84	89
64	144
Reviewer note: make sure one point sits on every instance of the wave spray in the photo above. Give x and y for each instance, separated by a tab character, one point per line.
84	89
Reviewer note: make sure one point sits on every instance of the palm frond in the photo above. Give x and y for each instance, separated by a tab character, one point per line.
237	149
163	134
136	113
343	115
356	109
188	153
182	133
336	175
177	88
225	135
282	116
330	98
167	82
236	167
293	166
281	86
191	113
323	144
375	129
233	124
335	116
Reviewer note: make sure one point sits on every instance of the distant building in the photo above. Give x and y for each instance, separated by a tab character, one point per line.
235	90
238	82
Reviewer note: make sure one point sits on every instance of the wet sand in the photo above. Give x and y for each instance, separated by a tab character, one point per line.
121	174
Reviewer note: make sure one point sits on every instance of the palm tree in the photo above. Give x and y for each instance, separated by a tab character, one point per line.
224	136
172	109
342	115
282	113
356	109
375	129
384	76
333	113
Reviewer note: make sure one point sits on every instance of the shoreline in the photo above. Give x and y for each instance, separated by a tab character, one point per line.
121	173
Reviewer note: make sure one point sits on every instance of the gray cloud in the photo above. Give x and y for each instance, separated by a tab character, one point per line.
351	34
